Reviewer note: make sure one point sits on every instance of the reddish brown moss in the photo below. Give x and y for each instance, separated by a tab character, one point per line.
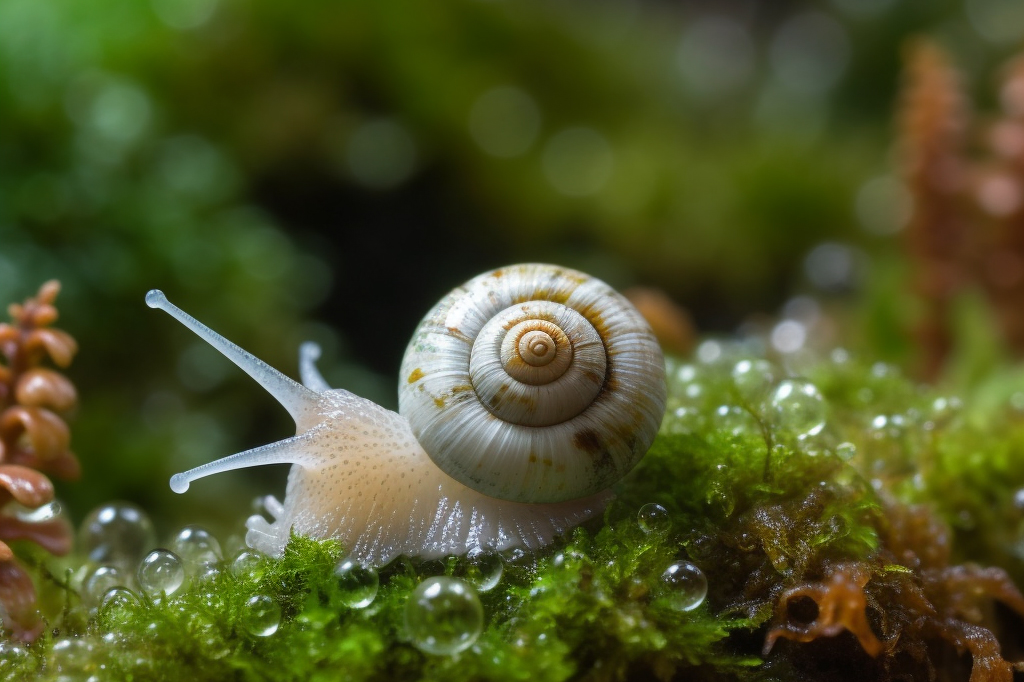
903	605
932	122
33	439
966	227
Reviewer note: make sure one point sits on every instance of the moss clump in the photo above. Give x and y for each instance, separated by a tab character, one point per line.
832	515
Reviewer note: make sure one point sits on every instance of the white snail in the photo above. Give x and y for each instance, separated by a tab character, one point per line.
524	394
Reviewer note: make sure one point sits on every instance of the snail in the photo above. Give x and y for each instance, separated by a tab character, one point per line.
524	395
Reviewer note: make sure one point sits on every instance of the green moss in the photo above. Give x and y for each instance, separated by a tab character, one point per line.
764	501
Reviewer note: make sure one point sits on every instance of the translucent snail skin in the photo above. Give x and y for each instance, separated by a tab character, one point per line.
523	396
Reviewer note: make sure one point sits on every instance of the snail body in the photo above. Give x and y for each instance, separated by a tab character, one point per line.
523	396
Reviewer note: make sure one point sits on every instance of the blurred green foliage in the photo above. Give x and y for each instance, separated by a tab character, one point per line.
268	164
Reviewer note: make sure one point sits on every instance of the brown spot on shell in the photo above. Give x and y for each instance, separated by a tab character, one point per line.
587	440
416	375
460	335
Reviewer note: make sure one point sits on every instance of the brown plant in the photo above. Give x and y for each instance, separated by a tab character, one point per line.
966	227
903	603
34	441
933	124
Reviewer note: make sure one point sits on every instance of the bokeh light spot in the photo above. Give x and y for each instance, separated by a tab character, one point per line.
184	14
578	161
504	121
381	154
716	55
809	53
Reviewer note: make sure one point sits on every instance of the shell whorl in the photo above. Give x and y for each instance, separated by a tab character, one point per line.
534	383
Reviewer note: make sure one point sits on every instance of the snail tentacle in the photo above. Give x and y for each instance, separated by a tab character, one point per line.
309	353
293	396
293	450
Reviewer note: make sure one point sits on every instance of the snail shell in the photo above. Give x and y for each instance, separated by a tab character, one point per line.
523	395
534	383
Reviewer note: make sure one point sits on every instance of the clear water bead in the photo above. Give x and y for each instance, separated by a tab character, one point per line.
483	570
196	547
161	572
118	605
118	534
444	616
69	655
246	564
100	581
684	585
47	512
358	584
798	408
653	519
262	615
12	655
846	451
752	378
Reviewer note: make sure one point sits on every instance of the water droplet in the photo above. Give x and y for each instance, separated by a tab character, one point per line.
69	655
118	606
118	534
798	408
12	655
262	615
654	519
246	564
47	512
100	581
752	378
161	572
483	570
444	616
196	548
846	451
735	420
358	584
684	586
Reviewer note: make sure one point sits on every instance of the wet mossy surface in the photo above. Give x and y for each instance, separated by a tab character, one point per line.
851	524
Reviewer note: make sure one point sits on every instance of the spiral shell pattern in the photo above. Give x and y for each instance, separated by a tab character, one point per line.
534	383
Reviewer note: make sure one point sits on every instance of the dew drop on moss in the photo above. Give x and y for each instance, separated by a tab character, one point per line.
119	599
483	570
69	655
117	533
12	655
358	584
846	451
684	586
246	564
196	548
797	408
161	572
752	378
653	519
100	581
261	616
444	616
